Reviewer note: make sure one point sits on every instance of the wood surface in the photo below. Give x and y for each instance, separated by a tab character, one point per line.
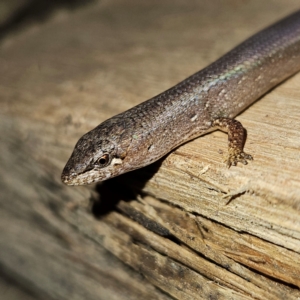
185	227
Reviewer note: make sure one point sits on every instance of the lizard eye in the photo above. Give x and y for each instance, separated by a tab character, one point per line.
102	161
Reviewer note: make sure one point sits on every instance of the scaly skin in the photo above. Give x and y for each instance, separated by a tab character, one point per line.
205	101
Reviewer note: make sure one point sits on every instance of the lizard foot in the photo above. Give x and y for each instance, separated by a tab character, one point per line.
235	156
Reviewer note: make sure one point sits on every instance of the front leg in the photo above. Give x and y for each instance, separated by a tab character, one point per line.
236	140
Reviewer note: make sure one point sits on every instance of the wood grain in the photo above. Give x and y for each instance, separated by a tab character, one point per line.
185	227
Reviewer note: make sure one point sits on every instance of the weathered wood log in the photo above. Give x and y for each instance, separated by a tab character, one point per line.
185	227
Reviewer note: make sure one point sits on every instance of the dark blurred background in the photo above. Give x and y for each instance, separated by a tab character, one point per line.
15	14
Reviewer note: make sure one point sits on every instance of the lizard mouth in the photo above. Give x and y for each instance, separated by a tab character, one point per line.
74	179
86	177
68	179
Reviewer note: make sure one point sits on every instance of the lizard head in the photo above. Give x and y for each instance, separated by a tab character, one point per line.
98	155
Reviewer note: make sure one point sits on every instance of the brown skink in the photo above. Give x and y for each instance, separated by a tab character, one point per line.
205	101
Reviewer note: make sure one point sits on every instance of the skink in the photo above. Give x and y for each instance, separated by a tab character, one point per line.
205	101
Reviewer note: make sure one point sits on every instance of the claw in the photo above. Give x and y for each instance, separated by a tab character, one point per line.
235	156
